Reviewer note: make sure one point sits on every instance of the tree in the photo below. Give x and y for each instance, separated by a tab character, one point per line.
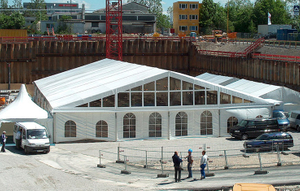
212	16
4	4
14	21
63	27
170	12
39	15
275	7
240	14
17	4
163	21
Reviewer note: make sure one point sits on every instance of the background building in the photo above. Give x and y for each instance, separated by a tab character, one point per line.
186	16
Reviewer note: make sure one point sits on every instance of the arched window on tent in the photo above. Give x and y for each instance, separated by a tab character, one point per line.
155	125
232	121
206	123
129	123
181	124
70	129
101	129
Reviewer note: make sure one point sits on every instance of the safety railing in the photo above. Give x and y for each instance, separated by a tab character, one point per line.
160	159
276	57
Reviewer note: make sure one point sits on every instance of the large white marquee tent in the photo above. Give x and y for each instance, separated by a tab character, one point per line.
115	100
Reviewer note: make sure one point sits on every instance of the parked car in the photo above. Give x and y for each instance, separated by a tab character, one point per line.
270	141
252	128
294	118
282	119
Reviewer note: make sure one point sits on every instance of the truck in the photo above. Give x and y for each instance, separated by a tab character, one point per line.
34	137
282	119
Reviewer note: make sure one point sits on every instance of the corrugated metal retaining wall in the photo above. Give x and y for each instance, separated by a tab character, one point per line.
38	59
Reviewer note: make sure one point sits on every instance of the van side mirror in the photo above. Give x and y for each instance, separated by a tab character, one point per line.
49	136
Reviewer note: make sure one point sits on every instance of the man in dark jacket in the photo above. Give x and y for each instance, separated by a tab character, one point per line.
177	161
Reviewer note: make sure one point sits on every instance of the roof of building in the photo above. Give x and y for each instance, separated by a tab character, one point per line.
263	90
107	77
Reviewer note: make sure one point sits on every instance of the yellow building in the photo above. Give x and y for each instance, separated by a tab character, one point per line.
186	17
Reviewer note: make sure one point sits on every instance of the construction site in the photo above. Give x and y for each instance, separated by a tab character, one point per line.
26	59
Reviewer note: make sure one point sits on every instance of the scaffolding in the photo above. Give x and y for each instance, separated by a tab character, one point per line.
114	48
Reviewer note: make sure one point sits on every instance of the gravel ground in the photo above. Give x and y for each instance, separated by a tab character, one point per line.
268	48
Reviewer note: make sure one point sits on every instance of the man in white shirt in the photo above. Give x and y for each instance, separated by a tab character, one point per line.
18	139
203	163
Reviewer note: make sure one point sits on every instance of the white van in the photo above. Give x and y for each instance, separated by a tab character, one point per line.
34	137
294	118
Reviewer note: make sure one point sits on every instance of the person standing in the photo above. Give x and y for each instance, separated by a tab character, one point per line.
177	161
18	139
203	163
190	163
3	140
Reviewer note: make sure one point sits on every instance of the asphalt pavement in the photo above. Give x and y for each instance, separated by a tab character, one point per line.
73	166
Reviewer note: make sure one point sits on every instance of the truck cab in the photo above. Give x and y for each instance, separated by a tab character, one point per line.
34	137
282	119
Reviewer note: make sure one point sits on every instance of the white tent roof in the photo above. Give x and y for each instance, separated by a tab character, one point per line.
106	77
88	82
265	91
22	108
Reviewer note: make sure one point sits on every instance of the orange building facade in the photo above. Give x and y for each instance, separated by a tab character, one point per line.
186	17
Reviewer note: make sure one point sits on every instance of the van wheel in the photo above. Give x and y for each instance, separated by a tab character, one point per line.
245	137
26	150
298	128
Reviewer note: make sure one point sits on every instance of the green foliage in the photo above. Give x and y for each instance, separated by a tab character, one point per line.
63	27
13	21
212	16
275	7
163	21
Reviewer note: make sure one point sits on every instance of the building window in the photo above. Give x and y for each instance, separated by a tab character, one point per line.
193	17
193	6
96	103
183	17
129	125
70	129
155	125
95	24
109	101
183	28
181	124
232	121
193	28
182	6
123	99
206	123
225	98
101	129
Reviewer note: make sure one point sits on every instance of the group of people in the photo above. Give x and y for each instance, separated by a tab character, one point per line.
177	164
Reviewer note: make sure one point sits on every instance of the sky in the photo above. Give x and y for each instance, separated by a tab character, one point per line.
91	5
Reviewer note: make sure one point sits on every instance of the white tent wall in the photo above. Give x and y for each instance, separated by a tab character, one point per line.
247	113
142	124
85	125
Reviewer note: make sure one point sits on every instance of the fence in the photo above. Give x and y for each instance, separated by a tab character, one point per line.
160	159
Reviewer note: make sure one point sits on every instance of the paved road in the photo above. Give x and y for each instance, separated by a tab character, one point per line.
74	167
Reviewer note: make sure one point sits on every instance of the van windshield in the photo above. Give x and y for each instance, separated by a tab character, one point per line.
243	123
37	134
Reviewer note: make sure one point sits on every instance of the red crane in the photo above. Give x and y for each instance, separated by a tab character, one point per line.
114	46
